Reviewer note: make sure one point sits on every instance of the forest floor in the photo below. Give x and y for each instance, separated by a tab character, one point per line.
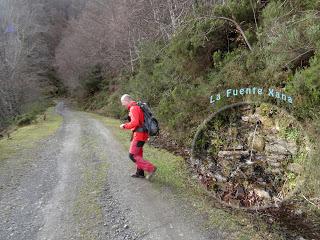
74	183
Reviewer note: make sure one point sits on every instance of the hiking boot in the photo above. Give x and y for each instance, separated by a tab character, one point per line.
137	176
149	176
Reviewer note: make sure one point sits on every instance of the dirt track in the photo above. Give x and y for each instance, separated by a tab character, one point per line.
77	185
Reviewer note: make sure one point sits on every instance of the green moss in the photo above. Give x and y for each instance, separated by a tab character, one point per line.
27	136
292	134
265	109
291	178
300	158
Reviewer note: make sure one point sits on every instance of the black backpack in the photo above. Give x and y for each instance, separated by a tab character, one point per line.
150	124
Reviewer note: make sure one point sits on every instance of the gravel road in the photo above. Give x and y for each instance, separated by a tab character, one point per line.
76	185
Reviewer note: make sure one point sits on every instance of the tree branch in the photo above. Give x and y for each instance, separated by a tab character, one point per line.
234	22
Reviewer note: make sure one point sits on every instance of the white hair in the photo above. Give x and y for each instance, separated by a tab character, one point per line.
126	97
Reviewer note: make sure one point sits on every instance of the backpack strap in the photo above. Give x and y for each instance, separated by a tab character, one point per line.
139	129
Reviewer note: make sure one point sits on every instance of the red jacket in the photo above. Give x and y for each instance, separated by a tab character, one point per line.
137	119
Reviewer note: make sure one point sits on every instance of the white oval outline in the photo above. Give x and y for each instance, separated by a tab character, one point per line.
287	197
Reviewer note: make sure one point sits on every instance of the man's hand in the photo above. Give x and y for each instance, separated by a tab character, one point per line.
122	126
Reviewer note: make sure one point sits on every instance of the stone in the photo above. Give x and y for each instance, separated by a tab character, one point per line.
258	143
267	122
280	146
232	154
262	183
292	147
276	158
275	164
234	202
277	148
235	147
260	157
239	147
255	118
276	171
220	178
295	168
245	118
274	130
262	193
114	226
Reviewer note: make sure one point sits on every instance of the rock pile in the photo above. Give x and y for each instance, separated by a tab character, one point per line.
247	160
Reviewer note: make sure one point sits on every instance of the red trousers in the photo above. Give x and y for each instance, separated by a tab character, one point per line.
136	155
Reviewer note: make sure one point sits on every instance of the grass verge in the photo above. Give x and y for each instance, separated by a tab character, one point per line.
87	210
26	137
173	172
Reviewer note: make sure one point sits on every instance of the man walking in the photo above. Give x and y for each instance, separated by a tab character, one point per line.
139	138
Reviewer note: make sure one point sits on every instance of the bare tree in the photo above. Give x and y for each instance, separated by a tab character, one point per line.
110	32
29	33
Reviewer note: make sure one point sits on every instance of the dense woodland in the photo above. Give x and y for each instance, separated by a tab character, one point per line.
173	54
30	31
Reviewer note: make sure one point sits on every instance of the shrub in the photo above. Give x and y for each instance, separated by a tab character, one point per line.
92	81
25	119
305	85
